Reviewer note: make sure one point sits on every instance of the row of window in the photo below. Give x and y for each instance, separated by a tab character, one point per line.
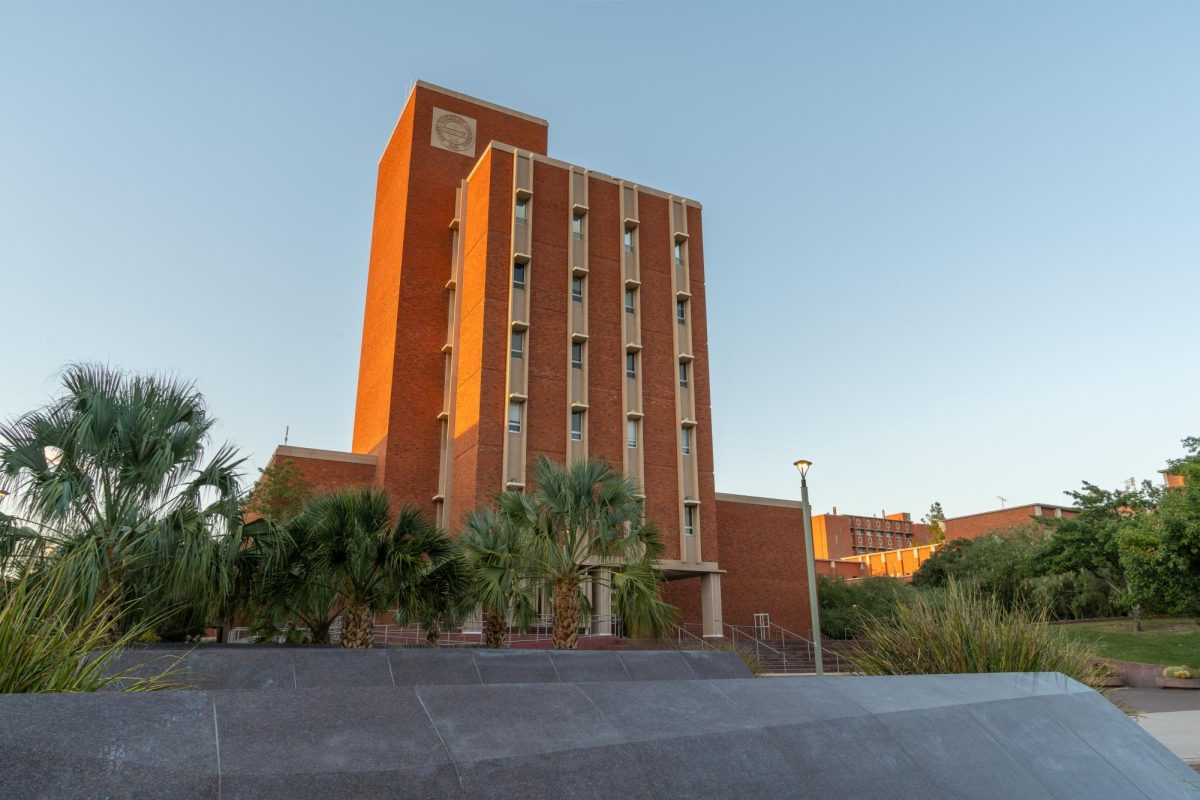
519	273
517	349
522	218
881	524
516	420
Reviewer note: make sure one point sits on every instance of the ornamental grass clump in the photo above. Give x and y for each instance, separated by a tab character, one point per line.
45	647
1182	673
966	631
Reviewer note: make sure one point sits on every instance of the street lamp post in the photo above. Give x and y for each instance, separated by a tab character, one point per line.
803	466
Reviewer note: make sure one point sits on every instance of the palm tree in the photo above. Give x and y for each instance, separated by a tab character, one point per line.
111	478
581	517
496	551
345	554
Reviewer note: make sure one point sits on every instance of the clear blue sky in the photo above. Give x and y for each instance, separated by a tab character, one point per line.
952	248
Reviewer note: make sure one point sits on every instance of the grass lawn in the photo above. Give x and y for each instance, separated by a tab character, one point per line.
1162	640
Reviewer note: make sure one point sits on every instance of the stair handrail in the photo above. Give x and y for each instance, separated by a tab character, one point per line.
681	632
759	644
825	652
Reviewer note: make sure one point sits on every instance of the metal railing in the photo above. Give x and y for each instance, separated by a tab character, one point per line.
777	650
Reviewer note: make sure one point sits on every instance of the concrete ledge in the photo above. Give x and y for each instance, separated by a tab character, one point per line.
957	736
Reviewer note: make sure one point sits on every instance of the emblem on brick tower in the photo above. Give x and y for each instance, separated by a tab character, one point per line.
453	132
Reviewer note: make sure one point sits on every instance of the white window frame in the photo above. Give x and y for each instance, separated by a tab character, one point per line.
689	521
516	416
577	347
521	210
631	365
630	301
577	290
685	436
517	348
519	268
629	240
576	426
577	226
683	375
631	434
681	312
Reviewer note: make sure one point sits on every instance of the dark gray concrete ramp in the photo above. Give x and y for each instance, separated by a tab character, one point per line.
266	667
964	736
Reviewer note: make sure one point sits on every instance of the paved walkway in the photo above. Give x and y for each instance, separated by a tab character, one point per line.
1170	715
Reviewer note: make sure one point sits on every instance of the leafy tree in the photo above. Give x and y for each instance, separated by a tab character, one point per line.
935	520
344	555
580	516
1160	551
112	479
498	555
999	564
281	492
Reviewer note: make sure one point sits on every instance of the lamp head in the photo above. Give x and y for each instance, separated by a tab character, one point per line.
803	466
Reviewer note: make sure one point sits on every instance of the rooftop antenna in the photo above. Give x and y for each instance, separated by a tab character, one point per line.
286	428
1002	500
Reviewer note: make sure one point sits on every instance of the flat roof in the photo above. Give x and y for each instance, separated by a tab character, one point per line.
433	87
284	451
759	501
1050	506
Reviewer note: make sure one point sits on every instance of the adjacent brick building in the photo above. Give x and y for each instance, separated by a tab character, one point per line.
840	535
973	526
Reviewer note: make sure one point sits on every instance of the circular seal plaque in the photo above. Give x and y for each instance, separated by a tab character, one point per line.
454	132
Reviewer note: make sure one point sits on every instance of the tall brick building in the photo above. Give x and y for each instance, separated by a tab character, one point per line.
520	306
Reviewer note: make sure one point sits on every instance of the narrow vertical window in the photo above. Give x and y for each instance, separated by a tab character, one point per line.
514	417
681	311
576	426
519	276
631	365
518	344
629	240
631	433
577	355
679	254
577	289
686	439
577	227
683	374
629	301
689	520
522	210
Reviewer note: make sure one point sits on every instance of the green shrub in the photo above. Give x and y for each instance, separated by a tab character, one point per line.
1183	673
45	647
1103	669
966	631
846	604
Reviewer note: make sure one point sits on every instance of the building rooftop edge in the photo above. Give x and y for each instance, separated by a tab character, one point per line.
433	87
557	162
284	450
1013	508
759	501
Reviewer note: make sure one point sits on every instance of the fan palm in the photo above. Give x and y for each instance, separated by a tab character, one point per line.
345	555
582	521
496	550
112	479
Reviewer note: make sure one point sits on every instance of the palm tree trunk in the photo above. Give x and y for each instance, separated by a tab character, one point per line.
566	613
433	636
495	629
358	627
